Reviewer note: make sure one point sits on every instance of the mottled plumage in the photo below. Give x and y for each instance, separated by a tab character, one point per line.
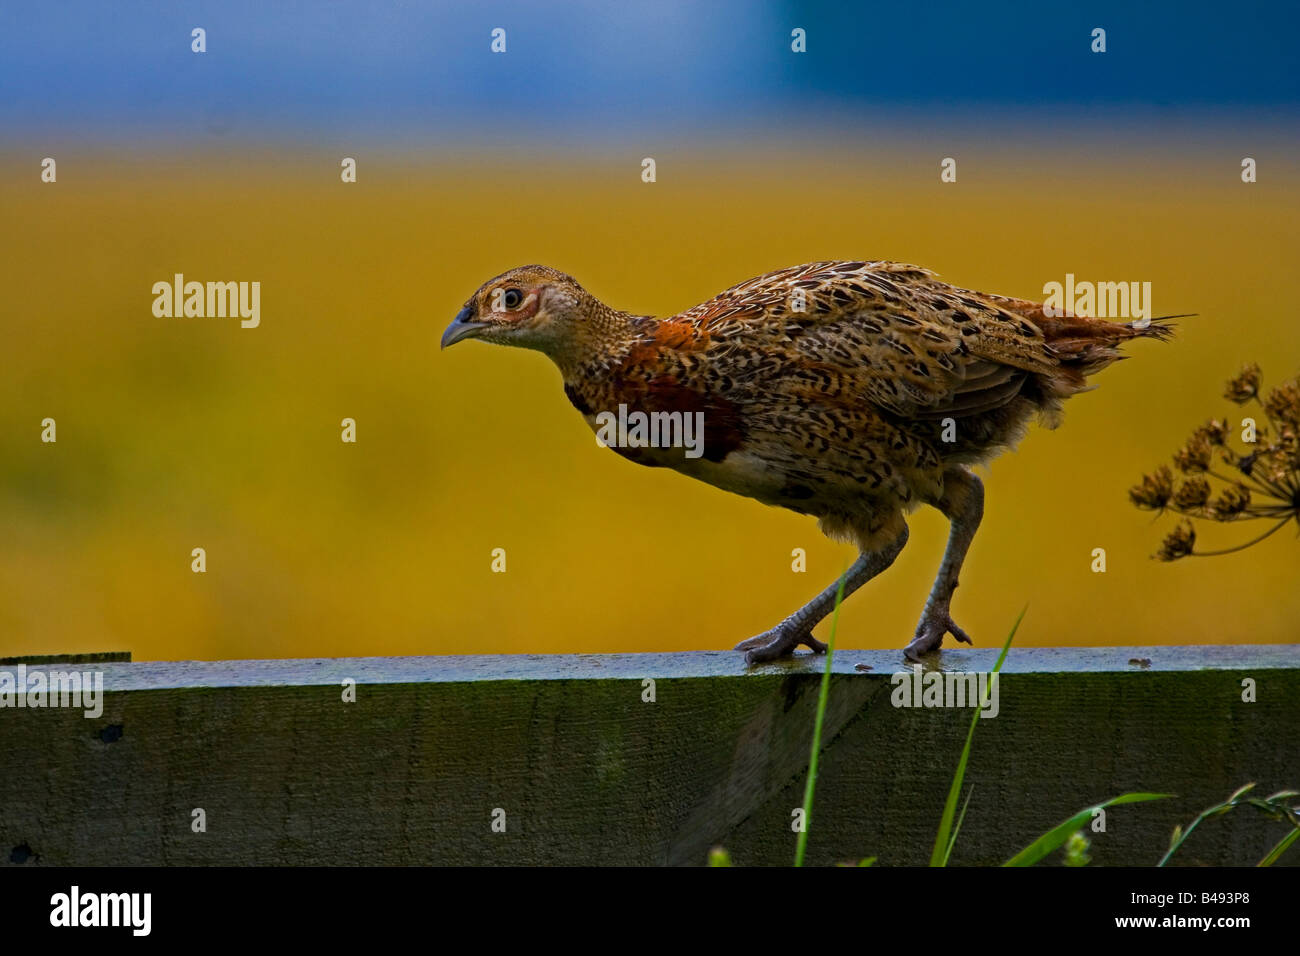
851	391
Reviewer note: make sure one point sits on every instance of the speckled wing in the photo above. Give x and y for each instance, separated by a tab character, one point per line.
885	331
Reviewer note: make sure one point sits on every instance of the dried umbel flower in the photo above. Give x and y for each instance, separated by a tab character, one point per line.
1194	456
1283	404
1287	448
1244	386
1155	490
1179	543
1266	483
1215	432
1231	503
1192	493
1288	439
1272	467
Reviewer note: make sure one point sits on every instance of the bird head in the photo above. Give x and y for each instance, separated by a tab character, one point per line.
531	307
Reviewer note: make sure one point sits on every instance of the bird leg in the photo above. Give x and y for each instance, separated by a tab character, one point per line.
963	503
797	628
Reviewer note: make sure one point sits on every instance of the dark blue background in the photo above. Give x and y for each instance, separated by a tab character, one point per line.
310	68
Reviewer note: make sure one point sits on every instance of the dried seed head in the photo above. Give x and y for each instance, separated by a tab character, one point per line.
1283	404
1244	386
1215	431
1231	502
1194	457
1273	465
1192	494
1288	447
1179	543
1269	483
1155	490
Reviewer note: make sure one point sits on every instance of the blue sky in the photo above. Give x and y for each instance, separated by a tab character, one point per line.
315	69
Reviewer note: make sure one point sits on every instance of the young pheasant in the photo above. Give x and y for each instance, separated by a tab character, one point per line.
852	391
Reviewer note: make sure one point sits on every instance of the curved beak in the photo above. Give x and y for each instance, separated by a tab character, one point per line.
462	327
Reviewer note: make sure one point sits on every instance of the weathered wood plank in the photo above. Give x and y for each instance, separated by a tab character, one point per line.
587	772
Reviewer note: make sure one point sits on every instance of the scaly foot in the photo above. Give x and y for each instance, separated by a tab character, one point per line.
929	633
778	642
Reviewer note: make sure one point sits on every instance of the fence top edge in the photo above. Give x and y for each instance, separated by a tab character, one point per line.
157	675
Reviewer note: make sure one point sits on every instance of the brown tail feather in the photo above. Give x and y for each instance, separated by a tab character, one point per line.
1076	334
1090	345
1085	344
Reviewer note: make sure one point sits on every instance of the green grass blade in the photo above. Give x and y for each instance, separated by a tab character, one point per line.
801	845
952	841
1052	840
943	840
1271	857
1180	835
1273	806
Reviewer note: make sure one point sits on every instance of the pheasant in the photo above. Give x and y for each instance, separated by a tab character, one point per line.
850	391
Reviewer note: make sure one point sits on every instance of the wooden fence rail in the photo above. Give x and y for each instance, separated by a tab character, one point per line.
636	758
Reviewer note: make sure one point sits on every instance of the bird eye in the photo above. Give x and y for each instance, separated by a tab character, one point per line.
511	298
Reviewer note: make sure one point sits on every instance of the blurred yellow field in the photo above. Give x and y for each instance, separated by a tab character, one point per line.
177	433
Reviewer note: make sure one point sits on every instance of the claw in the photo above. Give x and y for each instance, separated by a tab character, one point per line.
777	643
958	633
758	640
930	632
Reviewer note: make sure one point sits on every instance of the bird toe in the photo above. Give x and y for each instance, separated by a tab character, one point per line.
777	643
930	632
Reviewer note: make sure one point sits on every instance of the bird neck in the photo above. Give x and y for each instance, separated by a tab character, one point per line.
600	340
